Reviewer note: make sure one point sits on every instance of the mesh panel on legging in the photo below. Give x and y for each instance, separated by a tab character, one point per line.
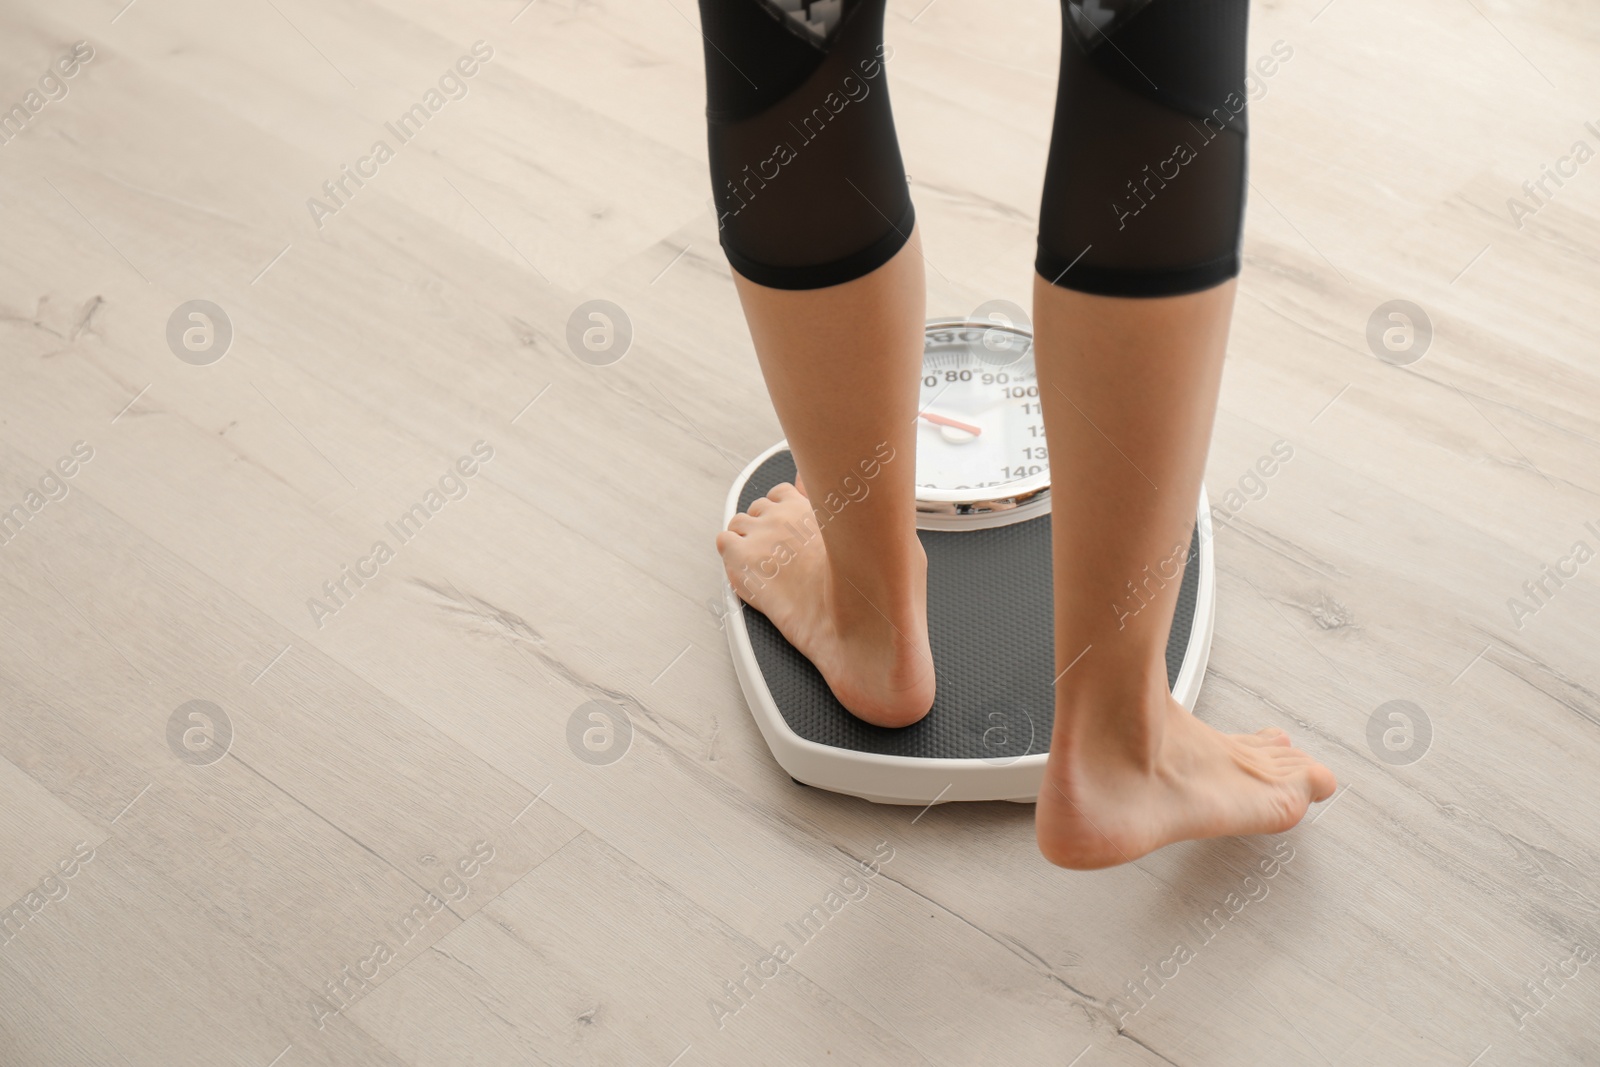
1144	188
806	173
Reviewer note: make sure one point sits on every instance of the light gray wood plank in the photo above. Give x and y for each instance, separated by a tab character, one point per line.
431	710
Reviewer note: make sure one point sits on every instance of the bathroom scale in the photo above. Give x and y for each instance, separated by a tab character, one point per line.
984	511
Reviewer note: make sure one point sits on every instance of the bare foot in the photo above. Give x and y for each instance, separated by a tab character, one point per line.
875	657
1098	807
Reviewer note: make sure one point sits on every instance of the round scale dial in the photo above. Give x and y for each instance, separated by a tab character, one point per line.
980	430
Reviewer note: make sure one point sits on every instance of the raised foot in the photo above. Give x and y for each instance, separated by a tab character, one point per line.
1098	809
875	657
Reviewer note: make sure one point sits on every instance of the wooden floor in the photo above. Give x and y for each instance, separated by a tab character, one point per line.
378	844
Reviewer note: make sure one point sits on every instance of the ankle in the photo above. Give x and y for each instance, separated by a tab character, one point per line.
1117	716
894	590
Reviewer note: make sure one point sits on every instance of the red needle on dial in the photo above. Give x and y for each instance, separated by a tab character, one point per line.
944	420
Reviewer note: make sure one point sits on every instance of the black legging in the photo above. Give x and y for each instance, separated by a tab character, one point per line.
1143	192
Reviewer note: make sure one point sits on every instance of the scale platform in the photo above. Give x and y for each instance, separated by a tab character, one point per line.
991	627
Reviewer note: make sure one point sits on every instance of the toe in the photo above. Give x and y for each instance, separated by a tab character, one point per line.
1323	783
784	491
1296	765
741	523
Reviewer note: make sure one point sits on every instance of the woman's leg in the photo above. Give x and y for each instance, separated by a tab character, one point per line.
816	220
841	364
1139	240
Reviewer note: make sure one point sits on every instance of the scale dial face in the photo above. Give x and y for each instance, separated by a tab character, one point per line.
980	430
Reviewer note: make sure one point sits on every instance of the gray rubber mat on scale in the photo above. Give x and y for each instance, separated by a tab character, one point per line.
992	631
